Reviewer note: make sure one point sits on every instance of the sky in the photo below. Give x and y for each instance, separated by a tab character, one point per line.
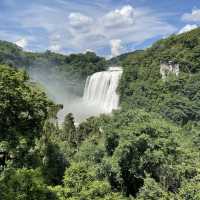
107	27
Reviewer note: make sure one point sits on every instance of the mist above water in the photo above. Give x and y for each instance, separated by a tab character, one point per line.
99	95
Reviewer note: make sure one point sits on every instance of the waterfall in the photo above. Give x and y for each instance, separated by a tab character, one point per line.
100	89
100	96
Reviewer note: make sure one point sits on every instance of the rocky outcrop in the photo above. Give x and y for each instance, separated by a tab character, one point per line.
169	68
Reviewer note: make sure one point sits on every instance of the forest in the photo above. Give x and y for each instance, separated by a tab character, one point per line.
147	150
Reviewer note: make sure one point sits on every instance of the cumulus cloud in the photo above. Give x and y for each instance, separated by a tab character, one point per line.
55	47
116	47
127	24
79	30
119	17
89	50
79	23
193	16
22	42
187	28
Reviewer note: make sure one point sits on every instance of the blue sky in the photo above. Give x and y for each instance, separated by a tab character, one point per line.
108	27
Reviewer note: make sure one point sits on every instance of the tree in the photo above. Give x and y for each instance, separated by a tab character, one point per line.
69	130
152	191
23	111
80	183
190	189
24	184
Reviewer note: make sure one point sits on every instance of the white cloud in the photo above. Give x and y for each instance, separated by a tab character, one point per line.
194	16
128	24
79	23
92	28
88	50
78	19
187	28
119	17
55	47
22	43
116	47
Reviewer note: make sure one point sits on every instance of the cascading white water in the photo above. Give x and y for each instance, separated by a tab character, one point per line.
100	96
100	89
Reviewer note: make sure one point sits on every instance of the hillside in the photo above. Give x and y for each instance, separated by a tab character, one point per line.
147	150
71	70
176	98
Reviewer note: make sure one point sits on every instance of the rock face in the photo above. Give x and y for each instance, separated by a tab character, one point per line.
168	68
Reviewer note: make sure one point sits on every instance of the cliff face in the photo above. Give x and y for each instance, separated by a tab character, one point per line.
169	68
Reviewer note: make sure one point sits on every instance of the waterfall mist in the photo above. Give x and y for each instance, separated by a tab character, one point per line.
99	95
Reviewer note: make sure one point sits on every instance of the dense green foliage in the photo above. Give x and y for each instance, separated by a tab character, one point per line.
175	99
24	184
23	111
148	150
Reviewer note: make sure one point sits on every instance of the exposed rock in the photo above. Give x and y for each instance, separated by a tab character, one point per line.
169	68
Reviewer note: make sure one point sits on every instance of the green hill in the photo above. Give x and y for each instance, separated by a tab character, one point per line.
177	98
